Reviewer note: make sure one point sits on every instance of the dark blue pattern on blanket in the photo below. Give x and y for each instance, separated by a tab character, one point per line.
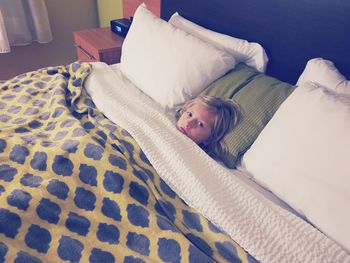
75	187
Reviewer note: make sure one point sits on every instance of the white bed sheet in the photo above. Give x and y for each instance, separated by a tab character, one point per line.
241	174
132	90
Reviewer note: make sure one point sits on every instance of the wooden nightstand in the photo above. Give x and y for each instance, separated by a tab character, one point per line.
98	44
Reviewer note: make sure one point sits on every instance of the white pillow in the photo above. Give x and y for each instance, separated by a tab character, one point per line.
324	72
303	156
168	64
251	54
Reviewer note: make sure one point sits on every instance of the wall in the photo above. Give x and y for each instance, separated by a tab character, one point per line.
114	9
108	10
65	16
129	6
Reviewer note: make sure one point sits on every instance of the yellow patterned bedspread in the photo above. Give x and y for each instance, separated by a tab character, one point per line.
74	187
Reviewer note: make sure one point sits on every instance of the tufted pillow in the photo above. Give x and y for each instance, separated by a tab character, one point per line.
258	95
168	64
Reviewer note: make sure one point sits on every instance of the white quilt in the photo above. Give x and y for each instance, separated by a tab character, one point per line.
264	229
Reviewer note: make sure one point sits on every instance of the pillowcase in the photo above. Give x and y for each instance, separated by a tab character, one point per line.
324	72
258	96
167	63
249	53
302	156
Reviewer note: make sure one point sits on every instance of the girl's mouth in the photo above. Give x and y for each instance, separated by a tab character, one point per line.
182	130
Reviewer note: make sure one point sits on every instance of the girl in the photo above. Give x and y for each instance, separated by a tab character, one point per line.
206	120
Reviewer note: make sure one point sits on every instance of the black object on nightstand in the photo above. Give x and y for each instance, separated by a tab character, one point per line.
120	26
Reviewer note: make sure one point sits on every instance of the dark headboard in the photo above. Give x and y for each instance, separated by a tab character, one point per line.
291	31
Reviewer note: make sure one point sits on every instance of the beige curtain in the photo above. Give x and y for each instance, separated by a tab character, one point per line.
22	22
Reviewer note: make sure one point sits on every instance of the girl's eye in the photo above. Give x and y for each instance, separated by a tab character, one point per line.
189	114
200	124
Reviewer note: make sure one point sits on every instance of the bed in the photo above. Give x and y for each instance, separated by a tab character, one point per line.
93	169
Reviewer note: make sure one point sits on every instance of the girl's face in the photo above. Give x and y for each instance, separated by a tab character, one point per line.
197	122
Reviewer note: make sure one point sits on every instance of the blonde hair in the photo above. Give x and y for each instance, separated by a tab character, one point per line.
227	116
